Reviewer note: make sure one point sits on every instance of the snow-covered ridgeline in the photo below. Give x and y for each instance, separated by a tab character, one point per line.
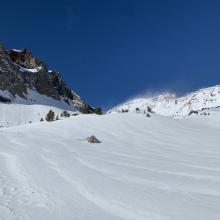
169	105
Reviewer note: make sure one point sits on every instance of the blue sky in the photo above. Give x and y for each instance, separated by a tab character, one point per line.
110	50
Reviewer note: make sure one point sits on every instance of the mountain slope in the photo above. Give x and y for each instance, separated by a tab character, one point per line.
28	90
21	72
32	109
169	105
155	168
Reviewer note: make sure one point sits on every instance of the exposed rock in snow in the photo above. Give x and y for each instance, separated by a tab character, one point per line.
92	139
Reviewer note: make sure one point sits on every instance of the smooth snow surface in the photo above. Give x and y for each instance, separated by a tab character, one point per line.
156	168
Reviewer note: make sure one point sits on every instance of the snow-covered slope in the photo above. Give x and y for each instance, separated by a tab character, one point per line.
169	105
156	168
31	109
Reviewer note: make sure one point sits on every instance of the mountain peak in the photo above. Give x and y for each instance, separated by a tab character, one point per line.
169	105
21	71
166	96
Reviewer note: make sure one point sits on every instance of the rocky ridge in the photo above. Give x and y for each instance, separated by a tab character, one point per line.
20	72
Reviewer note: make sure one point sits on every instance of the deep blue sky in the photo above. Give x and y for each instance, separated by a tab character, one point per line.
110	50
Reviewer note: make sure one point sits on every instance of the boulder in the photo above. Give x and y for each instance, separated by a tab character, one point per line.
92	139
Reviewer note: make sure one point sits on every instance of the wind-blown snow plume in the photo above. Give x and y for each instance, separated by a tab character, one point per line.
169	105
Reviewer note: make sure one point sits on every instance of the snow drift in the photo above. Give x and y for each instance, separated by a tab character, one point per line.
156	168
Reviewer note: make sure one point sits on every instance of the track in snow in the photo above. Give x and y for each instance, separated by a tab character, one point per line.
145	168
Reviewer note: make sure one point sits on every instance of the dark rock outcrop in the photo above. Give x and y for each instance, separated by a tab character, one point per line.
193	112
24	58
149	110
20	71
4	99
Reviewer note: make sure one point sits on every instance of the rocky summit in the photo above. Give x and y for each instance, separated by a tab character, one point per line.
20	71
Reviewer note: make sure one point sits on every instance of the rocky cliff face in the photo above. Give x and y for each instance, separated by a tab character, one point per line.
20	71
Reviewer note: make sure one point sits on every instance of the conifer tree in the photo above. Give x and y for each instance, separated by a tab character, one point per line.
50	116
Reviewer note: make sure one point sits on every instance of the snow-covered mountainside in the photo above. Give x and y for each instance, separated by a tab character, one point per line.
169	105
156	168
